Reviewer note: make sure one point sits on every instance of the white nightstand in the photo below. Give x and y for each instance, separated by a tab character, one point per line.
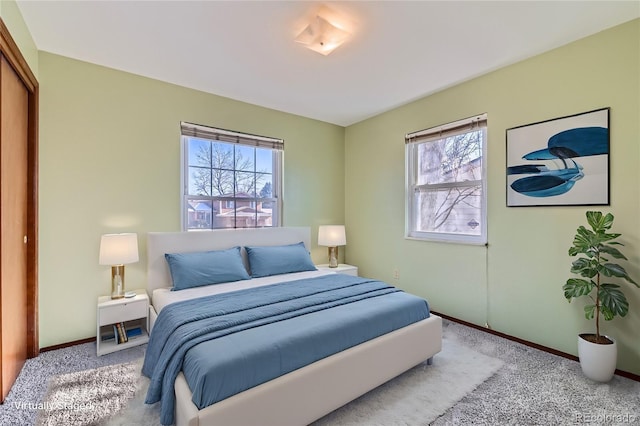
133	312
342	268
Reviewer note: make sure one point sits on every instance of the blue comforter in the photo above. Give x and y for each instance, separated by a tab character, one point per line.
324	315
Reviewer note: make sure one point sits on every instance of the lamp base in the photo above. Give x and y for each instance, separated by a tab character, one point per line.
117	282
333	257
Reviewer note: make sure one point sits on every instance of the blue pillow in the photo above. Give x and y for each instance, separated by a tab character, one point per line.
206	267
275	260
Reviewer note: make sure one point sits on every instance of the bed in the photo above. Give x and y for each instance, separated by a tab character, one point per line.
304	394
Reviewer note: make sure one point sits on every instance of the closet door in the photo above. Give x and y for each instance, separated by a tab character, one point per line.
13	224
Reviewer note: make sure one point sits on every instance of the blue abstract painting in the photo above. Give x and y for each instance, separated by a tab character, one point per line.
564	161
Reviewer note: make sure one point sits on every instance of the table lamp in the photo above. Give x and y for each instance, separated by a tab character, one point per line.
332	236
118	250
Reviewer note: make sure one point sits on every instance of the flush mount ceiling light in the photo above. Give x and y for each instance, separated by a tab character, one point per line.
322	36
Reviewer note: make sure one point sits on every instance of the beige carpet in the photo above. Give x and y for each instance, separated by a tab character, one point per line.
417	397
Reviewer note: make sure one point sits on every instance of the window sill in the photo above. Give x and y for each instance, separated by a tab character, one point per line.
449	240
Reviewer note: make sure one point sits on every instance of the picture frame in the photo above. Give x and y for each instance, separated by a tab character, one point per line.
559	162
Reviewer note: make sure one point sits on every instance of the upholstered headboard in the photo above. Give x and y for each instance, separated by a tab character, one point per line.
159	243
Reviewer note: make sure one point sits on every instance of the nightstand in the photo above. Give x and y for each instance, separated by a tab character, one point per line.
133	312
342	268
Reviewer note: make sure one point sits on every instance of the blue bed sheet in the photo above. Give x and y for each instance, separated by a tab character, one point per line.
229	343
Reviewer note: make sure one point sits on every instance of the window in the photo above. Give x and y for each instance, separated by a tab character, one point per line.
230	179
446	182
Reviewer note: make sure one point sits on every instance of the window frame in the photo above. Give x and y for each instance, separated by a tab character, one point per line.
216	135
431	135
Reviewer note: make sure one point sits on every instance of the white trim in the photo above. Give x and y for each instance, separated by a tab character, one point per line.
184	216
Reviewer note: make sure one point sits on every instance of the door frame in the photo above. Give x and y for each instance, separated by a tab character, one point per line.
11	52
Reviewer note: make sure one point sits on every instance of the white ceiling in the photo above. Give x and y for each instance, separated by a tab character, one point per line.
245	50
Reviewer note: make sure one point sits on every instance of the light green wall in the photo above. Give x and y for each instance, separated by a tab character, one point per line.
515	283
110	162
12	18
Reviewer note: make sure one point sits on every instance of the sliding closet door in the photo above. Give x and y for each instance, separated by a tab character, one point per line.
14	112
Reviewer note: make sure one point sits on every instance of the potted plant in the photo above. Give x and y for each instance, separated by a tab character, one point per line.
596	246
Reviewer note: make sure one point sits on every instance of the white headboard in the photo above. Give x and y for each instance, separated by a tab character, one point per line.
159	243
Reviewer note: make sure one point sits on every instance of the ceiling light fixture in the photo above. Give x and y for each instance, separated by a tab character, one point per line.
322	36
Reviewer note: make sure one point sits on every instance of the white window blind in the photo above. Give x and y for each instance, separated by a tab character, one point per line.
214	134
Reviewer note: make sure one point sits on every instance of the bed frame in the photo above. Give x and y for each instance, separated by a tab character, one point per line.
306	394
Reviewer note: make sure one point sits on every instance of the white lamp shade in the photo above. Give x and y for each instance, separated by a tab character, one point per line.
118	249
332	235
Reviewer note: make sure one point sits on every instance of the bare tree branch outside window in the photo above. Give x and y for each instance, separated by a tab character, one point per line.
449	183
229	185
224	171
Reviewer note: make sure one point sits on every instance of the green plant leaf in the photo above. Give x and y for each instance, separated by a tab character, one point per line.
615	270
589	311
598	222
585	267
607	221
576	287
613	300
602	237
612	251
581	241
594	219
574	251
606	313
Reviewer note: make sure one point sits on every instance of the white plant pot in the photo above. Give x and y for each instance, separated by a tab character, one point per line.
598	362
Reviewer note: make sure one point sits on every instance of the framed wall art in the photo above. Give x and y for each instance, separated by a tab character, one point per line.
559	162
